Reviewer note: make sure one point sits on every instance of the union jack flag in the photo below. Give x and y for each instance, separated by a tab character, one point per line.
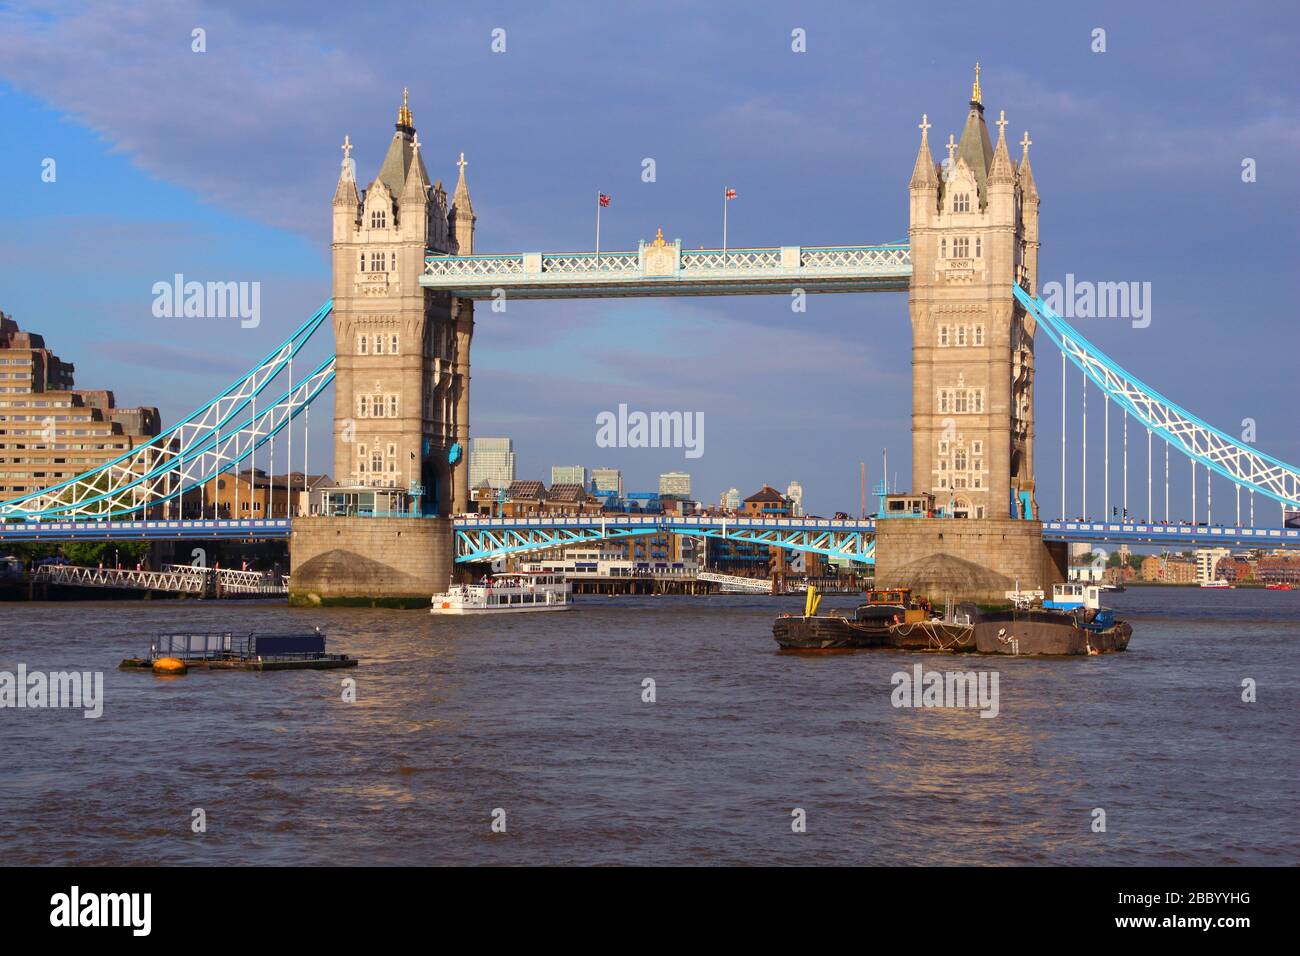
604	200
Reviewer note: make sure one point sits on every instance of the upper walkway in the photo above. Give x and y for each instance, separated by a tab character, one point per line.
665	268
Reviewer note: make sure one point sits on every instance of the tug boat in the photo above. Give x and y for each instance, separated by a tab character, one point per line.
506	594
1073	622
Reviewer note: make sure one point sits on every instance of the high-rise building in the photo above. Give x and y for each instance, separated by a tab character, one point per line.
607	481
569	475
491	462
794	491
50	432
730	500
676	484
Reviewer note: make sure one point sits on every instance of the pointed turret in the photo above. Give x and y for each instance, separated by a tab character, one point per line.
975	147
1025	174
462	214
1001	172
923	172
345	193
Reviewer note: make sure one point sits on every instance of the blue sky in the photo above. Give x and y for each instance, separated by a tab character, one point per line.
221	166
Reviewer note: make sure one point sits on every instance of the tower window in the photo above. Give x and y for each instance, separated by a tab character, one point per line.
961	335
943	251
979	335
943	336
379	345
977	247
392	344
392	406
961	247
378	219
961	202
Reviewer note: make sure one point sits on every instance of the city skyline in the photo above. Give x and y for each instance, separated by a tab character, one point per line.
1116	155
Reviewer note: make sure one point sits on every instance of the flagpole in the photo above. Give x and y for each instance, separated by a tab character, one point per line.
597	227
724	227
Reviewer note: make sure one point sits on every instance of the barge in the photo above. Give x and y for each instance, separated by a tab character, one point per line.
891	617
177	653
1072	623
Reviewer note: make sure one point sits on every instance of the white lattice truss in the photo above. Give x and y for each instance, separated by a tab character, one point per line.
857	544
734	582
213	439
1185	432
176	578
894	259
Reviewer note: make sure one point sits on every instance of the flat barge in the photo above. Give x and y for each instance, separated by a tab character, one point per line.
173	654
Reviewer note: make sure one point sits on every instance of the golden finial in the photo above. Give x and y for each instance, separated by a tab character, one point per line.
975	96
659	237
404	114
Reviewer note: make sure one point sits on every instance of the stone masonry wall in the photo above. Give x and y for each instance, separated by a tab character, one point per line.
407	559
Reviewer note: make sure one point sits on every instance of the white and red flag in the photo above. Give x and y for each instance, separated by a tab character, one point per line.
604	200
731	194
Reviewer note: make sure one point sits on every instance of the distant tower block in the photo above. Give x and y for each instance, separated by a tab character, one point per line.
402	379
974	232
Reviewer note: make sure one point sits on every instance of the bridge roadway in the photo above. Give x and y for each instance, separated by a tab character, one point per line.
479	538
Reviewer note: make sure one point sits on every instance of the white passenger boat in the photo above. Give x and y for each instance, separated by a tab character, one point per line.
506	594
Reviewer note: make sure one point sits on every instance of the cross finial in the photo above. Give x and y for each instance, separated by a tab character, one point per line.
415	143
1002	122
347	148
925	124
975	95
952	147
462	163
1026	142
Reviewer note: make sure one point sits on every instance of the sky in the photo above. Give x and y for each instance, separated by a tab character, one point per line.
220	165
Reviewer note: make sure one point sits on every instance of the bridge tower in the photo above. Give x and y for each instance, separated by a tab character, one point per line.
402	373
974	232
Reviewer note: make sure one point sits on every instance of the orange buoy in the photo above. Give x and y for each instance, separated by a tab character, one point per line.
169	666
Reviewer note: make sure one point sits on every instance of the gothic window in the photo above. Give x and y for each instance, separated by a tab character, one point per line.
361	458
392	406
379	345
392	452
943	448
363	406
961	335
362	267
378	219
943	335
977	400
378	261
943	400
376	461
392	344
363	345
959	401
959	460
961	247
979	335
943	250
977	482
379	406
977	247
977	448
961	202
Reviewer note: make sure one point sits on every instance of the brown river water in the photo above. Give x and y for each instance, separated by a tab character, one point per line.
542	717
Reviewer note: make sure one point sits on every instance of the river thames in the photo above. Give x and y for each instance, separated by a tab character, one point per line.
542	716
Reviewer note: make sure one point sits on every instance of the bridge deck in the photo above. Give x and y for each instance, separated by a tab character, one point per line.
668	270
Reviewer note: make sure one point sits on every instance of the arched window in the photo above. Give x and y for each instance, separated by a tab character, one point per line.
943	336
363	406
378	219
978	253
979	335
392	406
379	345
961	202
363	345
961	335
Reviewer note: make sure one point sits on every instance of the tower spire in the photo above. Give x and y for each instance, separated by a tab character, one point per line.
405	123
1026	172
462	213
345	193
976	96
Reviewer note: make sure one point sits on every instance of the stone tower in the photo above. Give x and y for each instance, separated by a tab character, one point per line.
974	232
402	369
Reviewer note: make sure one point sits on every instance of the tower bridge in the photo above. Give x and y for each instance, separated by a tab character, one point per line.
407	276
